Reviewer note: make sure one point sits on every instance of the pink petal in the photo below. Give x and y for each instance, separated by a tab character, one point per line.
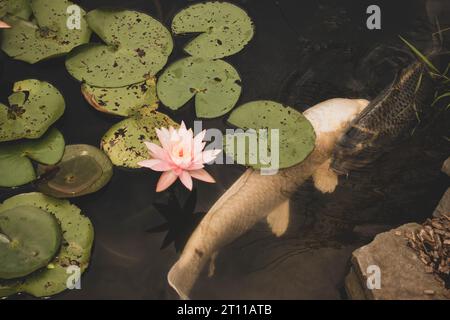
164	138
186	179
166	180
156	165
156	151
4	25
199	145
195	166
210	155
202	175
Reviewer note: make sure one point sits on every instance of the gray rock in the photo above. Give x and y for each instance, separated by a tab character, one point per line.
402	274
443	206
446	167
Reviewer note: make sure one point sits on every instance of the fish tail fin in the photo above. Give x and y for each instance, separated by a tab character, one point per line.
181	279
184	273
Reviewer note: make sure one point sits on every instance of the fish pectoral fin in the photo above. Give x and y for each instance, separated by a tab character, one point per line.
325	179
278	219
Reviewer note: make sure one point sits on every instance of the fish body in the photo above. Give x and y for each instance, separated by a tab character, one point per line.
389	119
253	197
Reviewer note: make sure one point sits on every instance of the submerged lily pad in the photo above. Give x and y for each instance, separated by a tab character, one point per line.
215	84
296	134
18	8
123	101
136	48
16	168
225	29
84	169
33	107
124	142
78	236
46	36
31	238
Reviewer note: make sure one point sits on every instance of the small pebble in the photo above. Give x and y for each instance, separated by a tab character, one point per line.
429	292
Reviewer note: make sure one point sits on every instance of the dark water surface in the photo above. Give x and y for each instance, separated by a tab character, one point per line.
328	39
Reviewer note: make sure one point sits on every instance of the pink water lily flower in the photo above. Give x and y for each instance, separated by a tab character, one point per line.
180	156
4	25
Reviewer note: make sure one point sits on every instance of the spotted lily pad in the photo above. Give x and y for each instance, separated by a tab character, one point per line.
84	169
47	35
16	168
215	84
135	48
123	101
224	29
78	236
31	238
33	107
124	142
296	134
18	8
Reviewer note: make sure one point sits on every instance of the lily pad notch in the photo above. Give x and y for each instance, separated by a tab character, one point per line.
44	37
135	47
33	107
215	84
225	29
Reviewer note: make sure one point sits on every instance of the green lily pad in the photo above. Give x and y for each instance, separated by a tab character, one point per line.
33	107
78	237
124	142
124	101
18	8
136	48
215	84
225	29
84	169
296	134
46	36
16	168
31	238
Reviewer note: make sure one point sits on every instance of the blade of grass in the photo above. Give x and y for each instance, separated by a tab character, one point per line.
419	82
442	96
420	55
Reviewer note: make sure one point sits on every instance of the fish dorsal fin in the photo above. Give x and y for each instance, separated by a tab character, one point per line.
278	219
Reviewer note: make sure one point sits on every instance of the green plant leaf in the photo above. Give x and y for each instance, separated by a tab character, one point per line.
124	101
420	55
225	29
136	48
215	84
46	36
84	169
34	239
16	168
296	134
33	107
18	8
124	142
78	237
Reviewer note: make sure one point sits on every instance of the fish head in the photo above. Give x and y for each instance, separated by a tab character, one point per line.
353	151
328	128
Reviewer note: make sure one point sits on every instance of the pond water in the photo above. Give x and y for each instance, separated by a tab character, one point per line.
326	40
